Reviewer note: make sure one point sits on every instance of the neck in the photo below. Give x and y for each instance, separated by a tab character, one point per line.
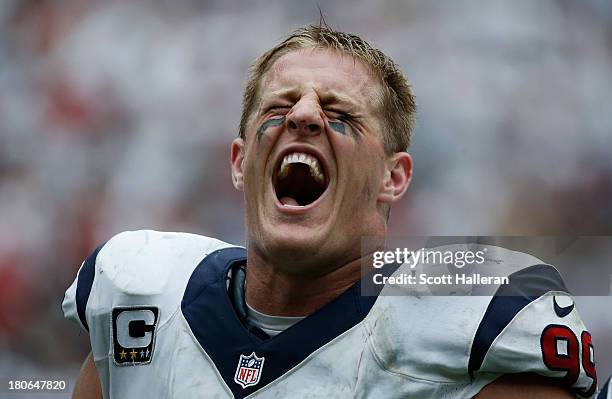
273	292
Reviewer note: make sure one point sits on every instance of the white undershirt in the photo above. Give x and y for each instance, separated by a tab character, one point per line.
271	325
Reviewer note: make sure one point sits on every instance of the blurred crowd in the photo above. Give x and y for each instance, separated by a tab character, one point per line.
118	115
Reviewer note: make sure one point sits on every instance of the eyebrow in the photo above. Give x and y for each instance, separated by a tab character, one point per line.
326	97
331	98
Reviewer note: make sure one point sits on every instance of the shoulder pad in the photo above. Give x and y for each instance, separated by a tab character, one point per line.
149	263
443	334
137	268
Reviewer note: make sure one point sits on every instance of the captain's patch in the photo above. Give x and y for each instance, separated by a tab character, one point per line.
133	334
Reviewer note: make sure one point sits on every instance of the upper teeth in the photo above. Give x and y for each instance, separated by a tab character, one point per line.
299	157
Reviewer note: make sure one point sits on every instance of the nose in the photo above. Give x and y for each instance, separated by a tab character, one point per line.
305	117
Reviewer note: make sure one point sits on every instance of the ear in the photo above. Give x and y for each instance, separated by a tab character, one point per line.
398	174
237	158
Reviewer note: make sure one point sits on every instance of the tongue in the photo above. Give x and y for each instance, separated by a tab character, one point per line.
288	201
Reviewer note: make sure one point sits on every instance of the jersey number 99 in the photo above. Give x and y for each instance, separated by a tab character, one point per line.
561	351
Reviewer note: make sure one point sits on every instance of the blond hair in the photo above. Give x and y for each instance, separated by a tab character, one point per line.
398	107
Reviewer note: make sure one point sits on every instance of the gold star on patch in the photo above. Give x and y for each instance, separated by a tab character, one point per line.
133	354
123	354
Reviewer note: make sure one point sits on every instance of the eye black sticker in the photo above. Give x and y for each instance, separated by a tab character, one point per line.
267	124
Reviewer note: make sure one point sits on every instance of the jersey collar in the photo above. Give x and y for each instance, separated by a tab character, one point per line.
215	324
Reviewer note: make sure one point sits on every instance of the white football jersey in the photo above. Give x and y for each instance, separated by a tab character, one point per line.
162	325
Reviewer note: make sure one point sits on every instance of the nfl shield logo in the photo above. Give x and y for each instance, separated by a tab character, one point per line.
249	369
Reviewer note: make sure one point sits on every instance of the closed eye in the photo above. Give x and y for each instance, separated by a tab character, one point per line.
341	121
278	109
339	115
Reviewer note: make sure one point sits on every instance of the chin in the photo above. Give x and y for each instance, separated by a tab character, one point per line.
295	240
294	249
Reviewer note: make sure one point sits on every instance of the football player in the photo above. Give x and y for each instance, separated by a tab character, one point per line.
321	157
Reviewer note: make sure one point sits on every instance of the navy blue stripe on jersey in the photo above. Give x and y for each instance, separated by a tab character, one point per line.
603	394
208	310
84	283
525	286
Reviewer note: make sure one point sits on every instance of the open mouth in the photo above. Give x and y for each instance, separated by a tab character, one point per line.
299	179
